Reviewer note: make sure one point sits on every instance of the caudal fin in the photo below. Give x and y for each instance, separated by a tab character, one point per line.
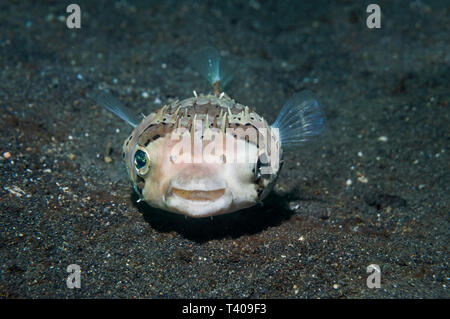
300	119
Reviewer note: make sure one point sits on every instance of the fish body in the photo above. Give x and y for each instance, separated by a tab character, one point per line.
208	154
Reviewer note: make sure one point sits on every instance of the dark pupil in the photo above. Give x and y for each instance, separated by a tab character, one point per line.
140	158
263	161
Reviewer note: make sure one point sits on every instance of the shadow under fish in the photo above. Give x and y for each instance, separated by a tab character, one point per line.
248	221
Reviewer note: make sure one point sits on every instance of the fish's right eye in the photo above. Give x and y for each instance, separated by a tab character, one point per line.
140	159
141	162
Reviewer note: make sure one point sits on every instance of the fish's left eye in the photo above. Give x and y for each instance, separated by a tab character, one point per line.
263	161
141	162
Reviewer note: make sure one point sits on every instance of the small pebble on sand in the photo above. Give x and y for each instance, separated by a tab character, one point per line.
363	179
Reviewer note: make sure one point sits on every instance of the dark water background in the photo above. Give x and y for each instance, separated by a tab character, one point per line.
385	93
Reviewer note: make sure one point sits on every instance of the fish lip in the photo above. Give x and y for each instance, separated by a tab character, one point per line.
198	208
177	191
198	195
204	184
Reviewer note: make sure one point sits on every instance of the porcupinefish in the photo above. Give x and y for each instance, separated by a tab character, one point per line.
208	154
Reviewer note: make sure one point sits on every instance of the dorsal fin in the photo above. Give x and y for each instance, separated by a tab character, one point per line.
216	70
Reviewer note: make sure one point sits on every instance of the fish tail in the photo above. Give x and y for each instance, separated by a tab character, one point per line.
300	119
216	70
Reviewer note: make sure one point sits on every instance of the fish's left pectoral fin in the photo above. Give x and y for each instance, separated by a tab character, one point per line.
300	119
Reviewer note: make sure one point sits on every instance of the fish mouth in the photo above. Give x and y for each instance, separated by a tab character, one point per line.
198	201
198	195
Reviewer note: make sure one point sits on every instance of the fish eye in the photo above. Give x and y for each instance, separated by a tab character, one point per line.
141	162
263	161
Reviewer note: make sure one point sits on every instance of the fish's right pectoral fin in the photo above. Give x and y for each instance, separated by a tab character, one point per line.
116	107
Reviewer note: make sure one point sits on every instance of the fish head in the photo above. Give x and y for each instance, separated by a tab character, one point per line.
196	172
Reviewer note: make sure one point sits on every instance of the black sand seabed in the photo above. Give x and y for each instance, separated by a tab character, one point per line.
385	94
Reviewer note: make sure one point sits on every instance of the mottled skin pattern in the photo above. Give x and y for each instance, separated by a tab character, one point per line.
201	189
